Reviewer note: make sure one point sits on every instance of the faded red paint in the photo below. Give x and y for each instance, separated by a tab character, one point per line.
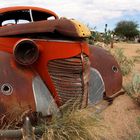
65	51
51	49
103	61
21	98
48	50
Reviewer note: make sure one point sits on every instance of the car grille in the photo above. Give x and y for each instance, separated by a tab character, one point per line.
71	78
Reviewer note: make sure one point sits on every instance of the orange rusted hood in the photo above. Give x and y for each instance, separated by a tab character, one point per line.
66	27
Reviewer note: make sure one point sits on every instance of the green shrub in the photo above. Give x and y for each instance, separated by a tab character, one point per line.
90	40
133	87
136	137
129	88
138	120
107	37
136	83
138	51
136	59
98	37
125	63
95	37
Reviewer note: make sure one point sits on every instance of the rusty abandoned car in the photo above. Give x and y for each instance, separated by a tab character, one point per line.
45	62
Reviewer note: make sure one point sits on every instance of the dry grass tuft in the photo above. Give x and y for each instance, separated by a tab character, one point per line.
13	119
138	51
133	87
72	125
126	64
137	58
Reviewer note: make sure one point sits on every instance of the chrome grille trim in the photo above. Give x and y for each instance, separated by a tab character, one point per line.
43	99
71	79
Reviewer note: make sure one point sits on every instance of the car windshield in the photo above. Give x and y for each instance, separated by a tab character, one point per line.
23	16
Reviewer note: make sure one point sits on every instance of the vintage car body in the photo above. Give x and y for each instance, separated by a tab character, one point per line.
47	62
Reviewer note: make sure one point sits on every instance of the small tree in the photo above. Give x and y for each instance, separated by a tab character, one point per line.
127	29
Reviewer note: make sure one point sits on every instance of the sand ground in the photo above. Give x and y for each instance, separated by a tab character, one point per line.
121	118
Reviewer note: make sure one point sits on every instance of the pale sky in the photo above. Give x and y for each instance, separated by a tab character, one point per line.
92	12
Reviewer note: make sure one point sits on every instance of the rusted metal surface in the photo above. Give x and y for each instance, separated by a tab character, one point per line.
11	134
62	26
109	69
27	132
63	49
22	92
26	52
61	72
70	78
16	94
41	11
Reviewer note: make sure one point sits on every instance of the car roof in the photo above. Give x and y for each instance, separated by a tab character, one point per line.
17	8
23	12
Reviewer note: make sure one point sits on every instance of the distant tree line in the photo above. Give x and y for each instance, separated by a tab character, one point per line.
125	30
